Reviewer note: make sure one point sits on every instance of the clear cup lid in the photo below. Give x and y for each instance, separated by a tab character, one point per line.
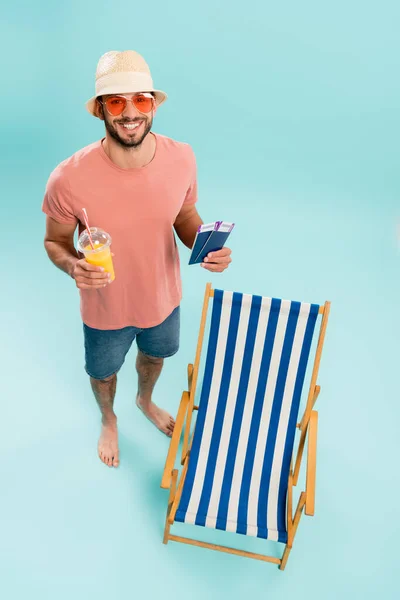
101	239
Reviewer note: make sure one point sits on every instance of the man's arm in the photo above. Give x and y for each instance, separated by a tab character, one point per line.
59	244
187	223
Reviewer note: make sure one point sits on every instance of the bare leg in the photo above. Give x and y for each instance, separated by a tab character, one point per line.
104	391
149	369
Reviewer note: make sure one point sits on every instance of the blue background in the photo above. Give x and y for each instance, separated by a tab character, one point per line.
292	110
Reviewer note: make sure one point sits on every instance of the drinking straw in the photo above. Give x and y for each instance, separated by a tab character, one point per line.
87	227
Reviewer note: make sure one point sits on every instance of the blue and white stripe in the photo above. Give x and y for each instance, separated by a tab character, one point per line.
240	458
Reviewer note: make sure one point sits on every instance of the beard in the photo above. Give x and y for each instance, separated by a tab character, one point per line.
133	142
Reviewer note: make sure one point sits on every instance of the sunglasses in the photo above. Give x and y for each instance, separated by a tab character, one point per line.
116	105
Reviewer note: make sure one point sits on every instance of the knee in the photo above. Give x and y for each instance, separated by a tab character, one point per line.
152	360
103	381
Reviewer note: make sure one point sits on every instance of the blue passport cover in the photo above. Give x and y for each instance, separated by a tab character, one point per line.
209	238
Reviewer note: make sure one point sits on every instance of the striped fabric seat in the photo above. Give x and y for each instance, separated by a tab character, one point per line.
256	361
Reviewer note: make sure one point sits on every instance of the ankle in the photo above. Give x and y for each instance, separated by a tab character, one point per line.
143	400
109	421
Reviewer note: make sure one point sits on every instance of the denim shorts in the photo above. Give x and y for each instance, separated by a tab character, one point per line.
105	350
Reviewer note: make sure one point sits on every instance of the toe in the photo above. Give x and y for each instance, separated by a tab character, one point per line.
166	430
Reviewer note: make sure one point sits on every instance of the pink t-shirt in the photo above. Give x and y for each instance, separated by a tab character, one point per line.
138	208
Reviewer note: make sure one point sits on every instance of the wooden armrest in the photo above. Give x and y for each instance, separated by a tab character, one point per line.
303	426
173	447
316	393
304	421
311	463
190	376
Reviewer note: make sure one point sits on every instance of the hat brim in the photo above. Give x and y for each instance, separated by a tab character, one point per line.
159	95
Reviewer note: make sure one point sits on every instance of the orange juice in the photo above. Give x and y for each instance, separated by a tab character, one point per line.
100	253
100	258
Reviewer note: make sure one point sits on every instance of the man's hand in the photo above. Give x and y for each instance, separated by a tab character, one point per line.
217	261
90	277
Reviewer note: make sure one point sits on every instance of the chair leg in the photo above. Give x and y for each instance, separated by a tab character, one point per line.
293	529
172	493
285	557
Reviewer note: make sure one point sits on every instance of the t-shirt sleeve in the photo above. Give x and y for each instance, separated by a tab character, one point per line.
191	194
57	199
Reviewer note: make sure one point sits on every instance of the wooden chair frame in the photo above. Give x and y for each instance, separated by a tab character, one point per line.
307	425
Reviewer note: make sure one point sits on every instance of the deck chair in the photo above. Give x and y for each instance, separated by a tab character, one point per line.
238	470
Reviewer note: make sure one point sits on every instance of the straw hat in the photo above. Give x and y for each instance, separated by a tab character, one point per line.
123	73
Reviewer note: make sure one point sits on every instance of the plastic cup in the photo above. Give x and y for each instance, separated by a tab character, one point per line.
101	254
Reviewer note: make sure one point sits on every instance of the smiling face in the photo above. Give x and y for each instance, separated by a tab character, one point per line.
129	128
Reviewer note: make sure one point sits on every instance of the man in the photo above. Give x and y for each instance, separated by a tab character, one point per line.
139	187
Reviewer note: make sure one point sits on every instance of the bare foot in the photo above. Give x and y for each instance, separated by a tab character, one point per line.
108	445
159	417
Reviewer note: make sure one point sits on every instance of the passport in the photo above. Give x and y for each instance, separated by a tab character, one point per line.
209	238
